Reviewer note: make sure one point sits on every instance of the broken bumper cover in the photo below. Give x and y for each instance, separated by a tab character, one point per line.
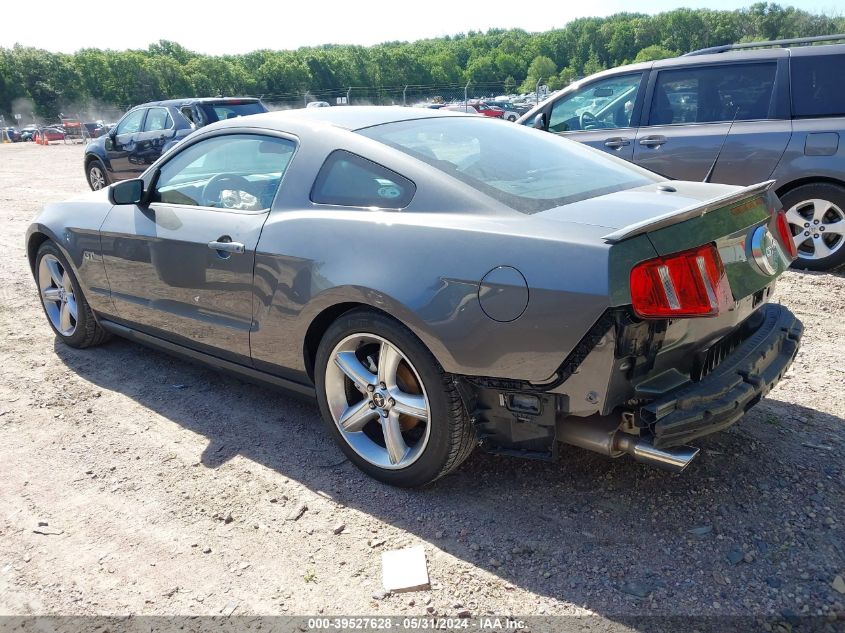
738	383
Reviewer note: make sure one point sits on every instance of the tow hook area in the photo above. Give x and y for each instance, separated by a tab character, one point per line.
601	434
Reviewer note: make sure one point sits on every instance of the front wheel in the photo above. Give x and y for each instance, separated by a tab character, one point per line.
66	308
388	403
816	216
97	176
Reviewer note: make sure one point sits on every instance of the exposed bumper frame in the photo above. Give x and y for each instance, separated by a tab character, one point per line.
738	383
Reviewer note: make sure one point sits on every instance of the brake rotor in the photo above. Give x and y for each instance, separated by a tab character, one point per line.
407	382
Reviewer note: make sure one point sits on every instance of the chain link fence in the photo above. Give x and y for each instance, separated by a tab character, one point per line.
407	95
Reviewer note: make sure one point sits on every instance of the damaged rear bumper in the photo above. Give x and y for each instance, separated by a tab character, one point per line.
738	383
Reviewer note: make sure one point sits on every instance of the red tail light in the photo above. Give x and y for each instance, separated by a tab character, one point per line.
687	284
786	235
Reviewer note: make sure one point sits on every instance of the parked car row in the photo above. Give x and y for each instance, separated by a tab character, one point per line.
57	132
736	115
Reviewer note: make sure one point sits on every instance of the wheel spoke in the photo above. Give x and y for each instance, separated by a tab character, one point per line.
820	207
55	274
409	404
51	294
72	307
64	318
353	368
799	239
793	217
835	227
356	416
821	248
388	362
393	440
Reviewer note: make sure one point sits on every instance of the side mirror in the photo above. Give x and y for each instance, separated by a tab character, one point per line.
127	192
540	121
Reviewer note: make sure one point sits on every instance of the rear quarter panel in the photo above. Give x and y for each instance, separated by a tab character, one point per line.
424	269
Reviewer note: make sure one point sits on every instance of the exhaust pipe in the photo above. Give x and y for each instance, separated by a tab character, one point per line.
602	435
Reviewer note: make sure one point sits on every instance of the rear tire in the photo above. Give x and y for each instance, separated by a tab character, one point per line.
96	175
66	308
816	216
361	343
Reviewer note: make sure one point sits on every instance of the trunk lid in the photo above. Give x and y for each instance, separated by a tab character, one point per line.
676	216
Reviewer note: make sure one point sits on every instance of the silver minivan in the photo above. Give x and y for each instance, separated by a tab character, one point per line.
735	114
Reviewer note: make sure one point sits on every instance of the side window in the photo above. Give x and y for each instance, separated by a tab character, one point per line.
712	94
817	86
188	113
234	172
352	181
157	119
131	123
602	105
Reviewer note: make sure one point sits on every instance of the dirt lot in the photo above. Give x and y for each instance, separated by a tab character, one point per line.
171	489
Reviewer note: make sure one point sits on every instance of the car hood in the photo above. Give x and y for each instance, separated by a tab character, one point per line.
624	208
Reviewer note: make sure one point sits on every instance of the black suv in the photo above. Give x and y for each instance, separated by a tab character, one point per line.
147	131
737	115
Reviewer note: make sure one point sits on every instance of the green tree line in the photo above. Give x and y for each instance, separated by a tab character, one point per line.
510	59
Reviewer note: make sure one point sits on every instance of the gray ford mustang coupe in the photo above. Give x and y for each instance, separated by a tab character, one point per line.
438	281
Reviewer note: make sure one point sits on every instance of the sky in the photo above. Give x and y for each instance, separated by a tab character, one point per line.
227	27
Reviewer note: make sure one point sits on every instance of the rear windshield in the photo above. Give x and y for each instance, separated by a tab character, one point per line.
528	170
817	86
221	111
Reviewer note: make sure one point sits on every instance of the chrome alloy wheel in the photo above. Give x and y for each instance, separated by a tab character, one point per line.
377	400
57	295
96	177
818	228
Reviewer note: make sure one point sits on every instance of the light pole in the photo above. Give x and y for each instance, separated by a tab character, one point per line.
349	96
404	90
537	89
465	94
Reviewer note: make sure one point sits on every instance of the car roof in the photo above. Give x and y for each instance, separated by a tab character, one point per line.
193	100
345	117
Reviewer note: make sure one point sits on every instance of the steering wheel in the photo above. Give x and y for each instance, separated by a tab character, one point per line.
214	187
586	119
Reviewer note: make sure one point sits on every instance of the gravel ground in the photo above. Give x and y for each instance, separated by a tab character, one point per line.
167	488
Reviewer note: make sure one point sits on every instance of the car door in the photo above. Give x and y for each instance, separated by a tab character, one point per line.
121	146
601	113
694	109
157	131
181	266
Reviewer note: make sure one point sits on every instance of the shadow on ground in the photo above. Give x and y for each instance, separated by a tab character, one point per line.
613	536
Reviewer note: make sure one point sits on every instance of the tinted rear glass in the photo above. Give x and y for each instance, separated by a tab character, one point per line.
818	88
222	111
712	93
349	180
528	170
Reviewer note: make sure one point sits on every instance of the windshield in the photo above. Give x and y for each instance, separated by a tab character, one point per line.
220	111
528	170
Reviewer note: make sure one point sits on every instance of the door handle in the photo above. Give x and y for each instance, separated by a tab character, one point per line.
226	246
653	141
617	142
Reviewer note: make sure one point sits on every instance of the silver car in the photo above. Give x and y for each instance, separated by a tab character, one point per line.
732	115
430	295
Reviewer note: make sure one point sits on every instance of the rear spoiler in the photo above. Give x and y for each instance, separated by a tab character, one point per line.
687	213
